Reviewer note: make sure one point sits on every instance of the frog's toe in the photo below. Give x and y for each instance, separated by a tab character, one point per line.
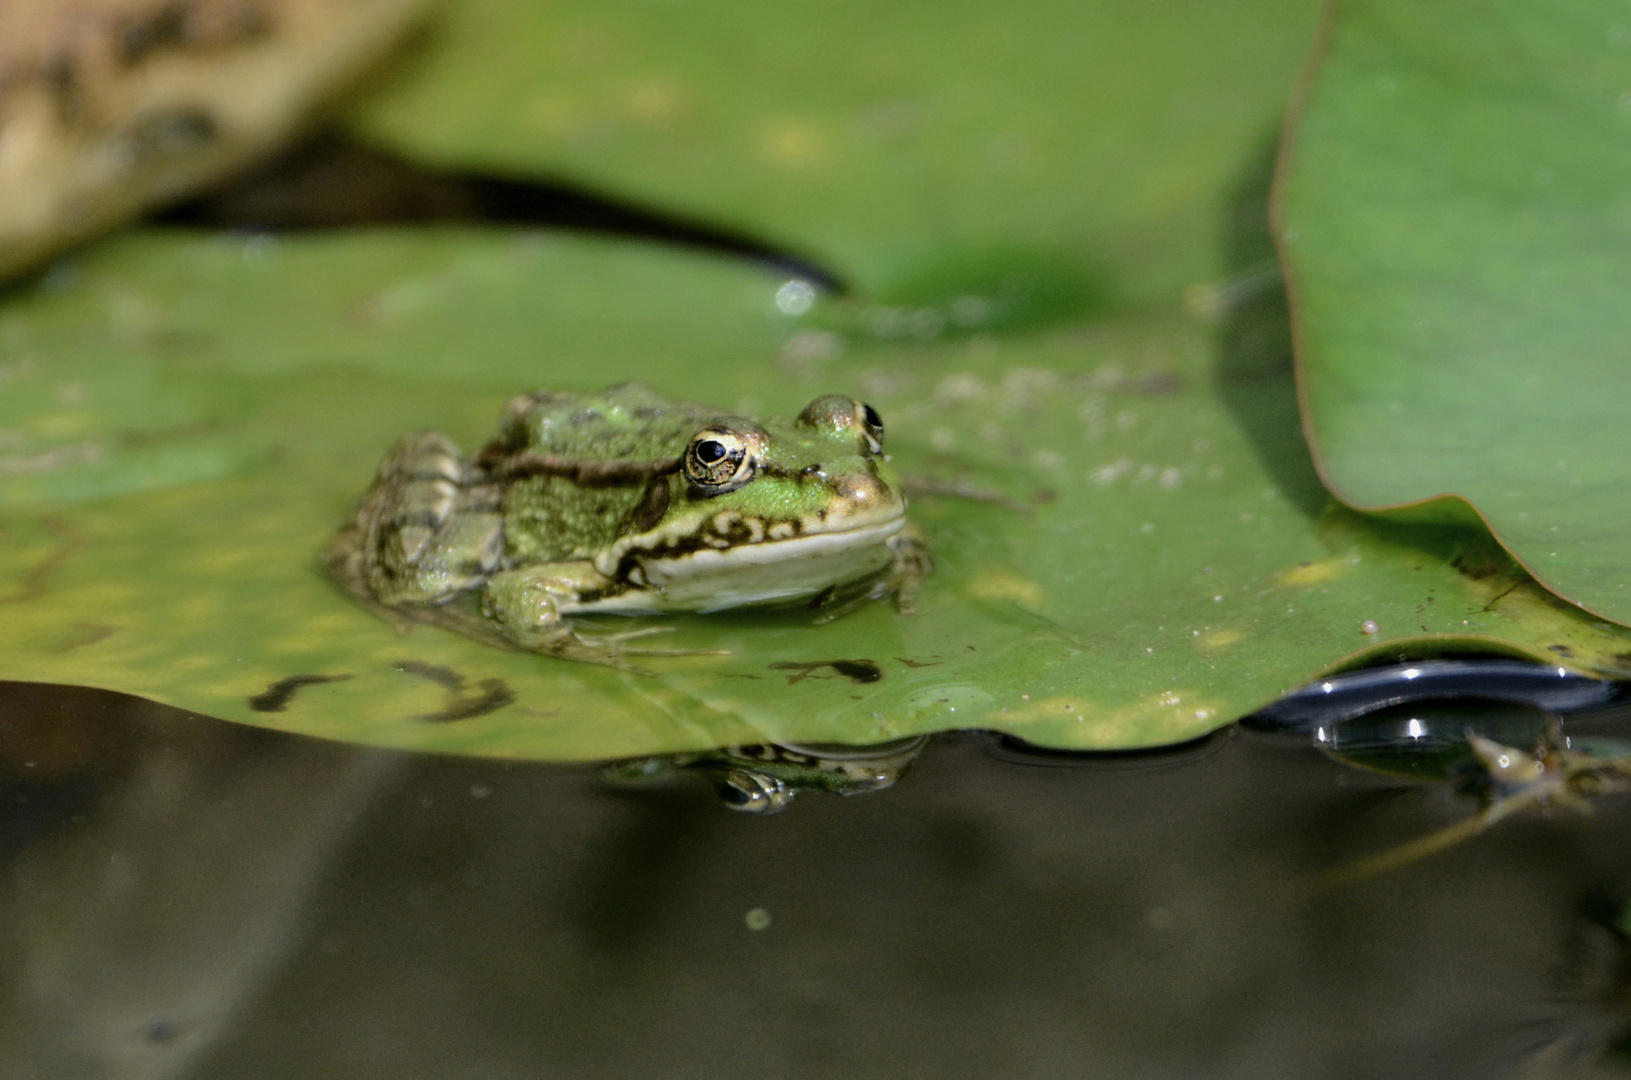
609	650
589	652
630	635
912	564
837	602
676	652
612	644
834	613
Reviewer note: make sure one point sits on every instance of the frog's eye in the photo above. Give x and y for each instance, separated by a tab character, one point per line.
718	460
845	414
874	427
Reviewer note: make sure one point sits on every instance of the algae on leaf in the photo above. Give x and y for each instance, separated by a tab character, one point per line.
1456	219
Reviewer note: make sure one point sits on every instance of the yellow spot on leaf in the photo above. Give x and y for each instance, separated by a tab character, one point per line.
792	143
62	425
229	559
656	102
1170	716
1003	585
555	116
1054	708
1313	573
1220	639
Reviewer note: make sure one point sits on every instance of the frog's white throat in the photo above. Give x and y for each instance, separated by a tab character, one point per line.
710	579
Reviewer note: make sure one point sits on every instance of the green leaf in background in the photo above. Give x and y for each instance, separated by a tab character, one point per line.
187	418
924	150
1457	217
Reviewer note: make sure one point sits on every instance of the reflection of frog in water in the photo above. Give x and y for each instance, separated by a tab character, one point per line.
763	779
623	502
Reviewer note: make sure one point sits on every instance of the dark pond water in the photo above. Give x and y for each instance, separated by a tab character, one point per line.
187	898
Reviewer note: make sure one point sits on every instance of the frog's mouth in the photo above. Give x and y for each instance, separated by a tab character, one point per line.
713	579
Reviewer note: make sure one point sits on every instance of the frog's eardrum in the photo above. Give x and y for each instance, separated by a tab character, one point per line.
110	108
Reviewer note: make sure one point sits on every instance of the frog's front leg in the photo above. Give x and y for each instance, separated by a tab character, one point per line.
910	566
526	605
907	569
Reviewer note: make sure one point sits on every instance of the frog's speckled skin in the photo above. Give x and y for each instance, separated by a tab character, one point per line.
622	501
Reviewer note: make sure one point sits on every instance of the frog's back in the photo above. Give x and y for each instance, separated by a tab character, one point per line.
549	518
628	422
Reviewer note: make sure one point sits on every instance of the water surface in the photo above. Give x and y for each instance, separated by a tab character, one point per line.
187	898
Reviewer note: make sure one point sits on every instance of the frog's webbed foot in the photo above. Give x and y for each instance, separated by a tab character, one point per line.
901	579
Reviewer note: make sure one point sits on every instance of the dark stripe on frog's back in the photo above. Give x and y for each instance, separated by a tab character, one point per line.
554	517
581	426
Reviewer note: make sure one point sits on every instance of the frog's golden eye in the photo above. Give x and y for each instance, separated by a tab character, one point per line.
718	460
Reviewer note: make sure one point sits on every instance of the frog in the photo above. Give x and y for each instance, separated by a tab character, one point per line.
622	502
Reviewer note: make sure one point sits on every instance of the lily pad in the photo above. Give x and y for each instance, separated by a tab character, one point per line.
924	151
187	418
1456	216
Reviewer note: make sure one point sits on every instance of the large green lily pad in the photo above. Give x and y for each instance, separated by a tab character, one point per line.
921	149
1457	218
186	419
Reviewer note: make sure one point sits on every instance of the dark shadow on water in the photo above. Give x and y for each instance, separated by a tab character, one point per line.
183	896
1254	371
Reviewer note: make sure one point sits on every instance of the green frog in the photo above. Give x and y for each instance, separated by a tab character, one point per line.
623	502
